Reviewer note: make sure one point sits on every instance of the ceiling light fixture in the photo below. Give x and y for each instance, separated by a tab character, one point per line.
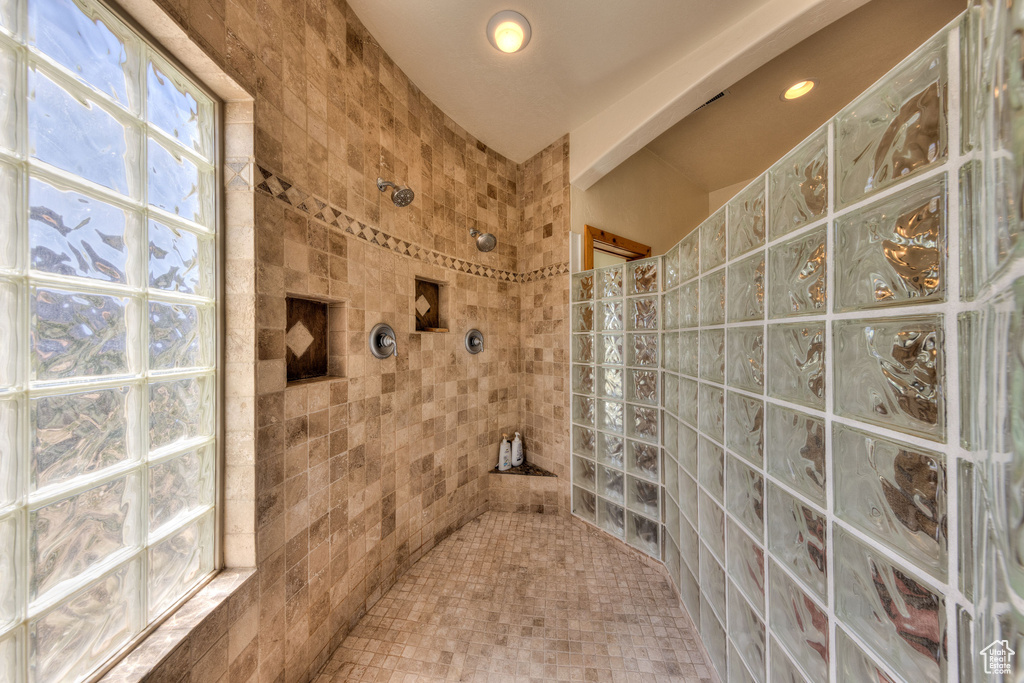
799	89
508	31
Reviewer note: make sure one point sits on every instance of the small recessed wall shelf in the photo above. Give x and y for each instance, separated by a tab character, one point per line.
314	339
428	302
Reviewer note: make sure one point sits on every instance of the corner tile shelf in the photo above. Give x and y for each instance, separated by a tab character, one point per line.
525	470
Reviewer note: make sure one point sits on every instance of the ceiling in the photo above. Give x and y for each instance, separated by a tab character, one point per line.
584	56
740	135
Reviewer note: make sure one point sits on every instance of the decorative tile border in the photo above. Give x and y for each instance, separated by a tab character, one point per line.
277	187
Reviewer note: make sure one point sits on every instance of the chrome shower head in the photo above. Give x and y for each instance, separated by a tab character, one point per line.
401	196
485	241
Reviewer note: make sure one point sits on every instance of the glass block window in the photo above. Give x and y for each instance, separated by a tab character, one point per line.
108	377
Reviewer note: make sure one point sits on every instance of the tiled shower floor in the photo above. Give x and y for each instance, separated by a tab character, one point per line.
523	597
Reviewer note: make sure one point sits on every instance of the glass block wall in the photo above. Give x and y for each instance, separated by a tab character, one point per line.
840	389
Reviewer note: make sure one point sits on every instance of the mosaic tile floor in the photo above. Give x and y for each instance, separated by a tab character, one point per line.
523	597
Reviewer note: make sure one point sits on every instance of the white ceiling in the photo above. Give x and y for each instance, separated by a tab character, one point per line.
584	56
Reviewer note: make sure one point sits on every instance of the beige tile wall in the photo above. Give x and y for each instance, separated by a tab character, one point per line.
356	478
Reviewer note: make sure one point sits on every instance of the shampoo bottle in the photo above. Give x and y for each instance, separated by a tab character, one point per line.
505	454
517	451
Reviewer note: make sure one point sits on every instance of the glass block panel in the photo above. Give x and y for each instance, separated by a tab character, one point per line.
611	484
689	304
178	109
670	267
746	219
689	590
583	348
672	524
796	451
689	256
583	317
583	381
179	562
78	236
10	199
642	313
738	671
796	363
966	505
797	539
106	151
670	311
642	423
799	624
643	460
69	536
609	349
611	315
689	548
987	243
82	433
688	498
178	186
746	289
611	450
643	349
670	351
670	434
180	486
9	573
783	669
611	518
611	416
610	383
180	261
745	560
583	410
747	631
643	276
713	634
643	534
712	355
796	275
688	401
10	96
11	644
746	358
798	186
712	299
92	46
892	373
11	411
712	412
583	441
609	282
670	475
711	467
689	352
965	638
584	504
868	587
77	335
670	400
896	128
583	286
12	333
745	432
179	336
973	356
712	580
80	634
688	450
712	524
893	253
854	665
712	241
894	492
584	473
744	496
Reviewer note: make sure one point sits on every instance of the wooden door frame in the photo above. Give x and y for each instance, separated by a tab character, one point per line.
614	244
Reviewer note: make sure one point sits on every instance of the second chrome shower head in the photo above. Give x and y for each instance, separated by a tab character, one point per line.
485	241
401	196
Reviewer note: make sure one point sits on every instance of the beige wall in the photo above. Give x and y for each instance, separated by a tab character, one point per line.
643	199
718	198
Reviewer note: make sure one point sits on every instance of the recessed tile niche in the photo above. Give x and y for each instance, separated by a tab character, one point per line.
428	304
314	339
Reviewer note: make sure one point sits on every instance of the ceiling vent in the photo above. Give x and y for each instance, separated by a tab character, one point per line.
713	99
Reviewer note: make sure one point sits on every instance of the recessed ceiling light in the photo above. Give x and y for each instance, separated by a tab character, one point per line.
799	89
508	31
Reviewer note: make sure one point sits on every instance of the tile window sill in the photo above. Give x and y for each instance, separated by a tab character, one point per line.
195	635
